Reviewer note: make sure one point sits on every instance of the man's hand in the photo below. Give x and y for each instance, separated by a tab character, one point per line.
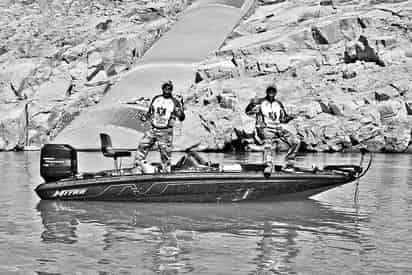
179	108
287	118
143	117
253	107
179	99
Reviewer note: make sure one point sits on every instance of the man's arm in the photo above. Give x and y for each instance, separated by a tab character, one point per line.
284	117
149	112
253	107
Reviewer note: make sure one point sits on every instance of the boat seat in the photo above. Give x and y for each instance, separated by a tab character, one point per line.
110	152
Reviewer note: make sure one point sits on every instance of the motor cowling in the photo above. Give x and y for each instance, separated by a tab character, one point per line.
57	161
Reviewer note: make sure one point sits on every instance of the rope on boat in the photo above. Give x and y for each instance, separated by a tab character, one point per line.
367	167
355	198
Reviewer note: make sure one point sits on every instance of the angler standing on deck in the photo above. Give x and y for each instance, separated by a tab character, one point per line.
163	112
270	119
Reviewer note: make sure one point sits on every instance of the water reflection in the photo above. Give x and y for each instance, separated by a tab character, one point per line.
170	234
276	250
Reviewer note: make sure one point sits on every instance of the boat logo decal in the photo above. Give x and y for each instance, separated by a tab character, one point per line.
69	192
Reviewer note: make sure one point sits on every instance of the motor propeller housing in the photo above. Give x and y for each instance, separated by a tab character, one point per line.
57	161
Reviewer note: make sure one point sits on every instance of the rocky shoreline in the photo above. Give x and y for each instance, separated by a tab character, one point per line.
343	68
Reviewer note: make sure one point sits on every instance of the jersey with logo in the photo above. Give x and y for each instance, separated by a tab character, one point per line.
271	113
162	111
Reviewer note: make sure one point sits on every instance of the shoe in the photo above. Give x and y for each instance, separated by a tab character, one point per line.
136	170
288	169
290	163
290	157
267	171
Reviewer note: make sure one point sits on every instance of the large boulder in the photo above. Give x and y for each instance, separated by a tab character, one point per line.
342	107
58	86
6	92
281	62
317	132
369	114
78	71
362	50
397	138
375	144
217	69
119	50
97	77
18	73
73	53
13	126
335	30
214	127
306	108
392	110
385	93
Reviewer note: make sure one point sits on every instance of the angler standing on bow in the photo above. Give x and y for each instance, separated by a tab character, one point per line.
271	118
163	112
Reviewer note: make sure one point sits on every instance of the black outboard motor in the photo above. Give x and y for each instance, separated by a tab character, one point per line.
57	161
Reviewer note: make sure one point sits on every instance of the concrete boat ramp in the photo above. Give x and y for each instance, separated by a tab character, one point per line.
200	30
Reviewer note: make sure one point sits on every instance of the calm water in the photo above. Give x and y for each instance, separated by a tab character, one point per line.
329	234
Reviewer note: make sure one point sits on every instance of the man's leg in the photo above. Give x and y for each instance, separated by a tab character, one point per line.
165	143
145	144
294	144
268	137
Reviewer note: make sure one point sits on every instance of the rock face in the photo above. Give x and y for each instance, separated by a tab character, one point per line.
13	126
59	58
344	70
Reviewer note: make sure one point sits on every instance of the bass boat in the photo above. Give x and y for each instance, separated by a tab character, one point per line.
191	179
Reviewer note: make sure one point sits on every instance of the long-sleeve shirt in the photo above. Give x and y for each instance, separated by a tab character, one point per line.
268	114
164	111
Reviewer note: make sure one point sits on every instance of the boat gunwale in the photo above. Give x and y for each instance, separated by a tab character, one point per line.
192	177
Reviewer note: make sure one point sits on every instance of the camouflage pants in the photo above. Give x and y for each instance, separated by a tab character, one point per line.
271	136
164	140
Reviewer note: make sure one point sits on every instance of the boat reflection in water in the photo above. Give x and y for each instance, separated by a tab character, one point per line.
173	235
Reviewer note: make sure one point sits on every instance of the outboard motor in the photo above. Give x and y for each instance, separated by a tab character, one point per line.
57	161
